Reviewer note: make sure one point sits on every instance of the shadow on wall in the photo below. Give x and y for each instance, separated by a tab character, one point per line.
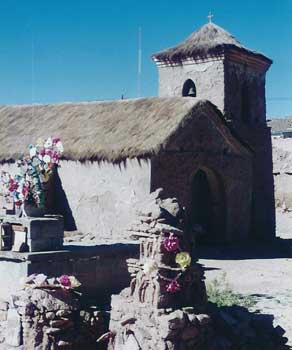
253	249
60	204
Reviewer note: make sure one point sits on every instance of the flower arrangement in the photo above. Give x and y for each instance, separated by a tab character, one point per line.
44	282
34	172
183	259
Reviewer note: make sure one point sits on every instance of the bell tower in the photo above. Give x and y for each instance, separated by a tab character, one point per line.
211	64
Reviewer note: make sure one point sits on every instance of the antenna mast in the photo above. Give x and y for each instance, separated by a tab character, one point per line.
139	62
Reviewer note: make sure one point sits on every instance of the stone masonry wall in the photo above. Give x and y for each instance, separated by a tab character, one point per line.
49	319
162	308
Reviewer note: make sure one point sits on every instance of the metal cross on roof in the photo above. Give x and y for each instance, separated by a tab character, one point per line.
210	16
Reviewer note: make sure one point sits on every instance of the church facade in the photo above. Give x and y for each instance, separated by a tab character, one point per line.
204	140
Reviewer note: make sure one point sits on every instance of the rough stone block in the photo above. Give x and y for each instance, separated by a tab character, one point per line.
13	335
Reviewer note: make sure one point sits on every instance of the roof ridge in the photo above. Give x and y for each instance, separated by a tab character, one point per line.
208	40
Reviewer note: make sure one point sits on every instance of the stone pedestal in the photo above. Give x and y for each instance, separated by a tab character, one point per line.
139	326
42	233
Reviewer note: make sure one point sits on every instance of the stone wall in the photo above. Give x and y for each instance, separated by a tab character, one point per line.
99	197
102	270
49	319
207	76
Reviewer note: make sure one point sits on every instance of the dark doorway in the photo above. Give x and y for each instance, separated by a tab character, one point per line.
189	89
207	209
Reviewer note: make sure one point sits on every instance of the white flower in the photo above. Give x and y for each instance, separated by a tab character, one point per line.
35	161
32	151
46	158
60	147
150	266
48	143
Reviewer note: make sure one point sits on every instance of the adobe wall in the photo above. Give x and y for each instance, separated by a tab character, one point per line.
99	197
282	170
174	173
244	93
263	220
283	190
202	146
172	78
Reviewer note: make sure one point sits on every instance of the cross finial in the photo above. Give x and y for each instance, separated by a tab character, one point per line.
210	16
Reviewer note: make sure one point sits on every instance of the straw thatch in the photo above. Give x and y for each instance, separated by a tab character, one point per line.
98	130
209	40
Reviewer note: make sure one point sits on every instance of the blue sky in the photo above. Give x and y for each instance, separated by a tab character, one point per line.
87	50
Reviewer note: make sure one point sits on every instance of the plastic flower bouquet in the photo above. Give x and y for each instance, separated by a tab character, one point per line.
34	171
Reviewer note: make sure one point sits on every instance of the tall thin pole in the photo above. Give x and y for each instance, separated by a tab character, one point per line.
32	74
139	62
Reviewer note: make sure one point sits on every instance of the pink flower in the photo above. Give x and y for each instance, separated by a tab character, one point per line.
55	157
171	243
12	185
65	281
56	140
173	287
42	152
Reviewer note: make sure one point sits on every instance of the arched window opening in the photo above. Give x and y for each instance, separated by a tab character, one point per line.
189	89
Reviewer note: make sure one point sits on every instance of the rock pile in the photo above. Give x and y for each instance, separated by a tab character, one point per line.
237	328
44	318
163	307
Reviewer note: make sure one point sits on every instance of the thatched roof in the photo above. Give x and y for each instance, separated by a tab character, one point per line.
209	40
99	130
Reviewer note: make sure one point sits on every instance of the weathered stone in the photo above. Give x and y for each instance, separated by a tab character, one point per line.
60	323
85	315
62	343
193	318
50	315
52	330
63	313
189	333
203	319
128	320
13	333
175	320
40	279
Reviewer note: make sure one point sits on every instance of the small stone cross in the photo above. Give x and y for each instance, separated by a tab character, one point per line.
210	16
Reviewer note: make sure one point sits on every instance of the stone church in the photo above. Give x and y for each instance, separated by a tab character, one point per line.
204	140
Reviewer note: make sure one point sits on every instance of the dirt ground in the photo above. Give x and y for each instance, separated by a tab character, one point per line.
264	271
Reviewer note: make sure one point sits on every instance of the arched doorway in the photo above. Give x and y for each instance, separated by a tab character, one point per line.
189	89
207	206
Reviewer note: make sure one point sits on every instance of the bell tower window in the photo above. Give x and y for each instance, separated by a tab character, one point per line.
189	89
